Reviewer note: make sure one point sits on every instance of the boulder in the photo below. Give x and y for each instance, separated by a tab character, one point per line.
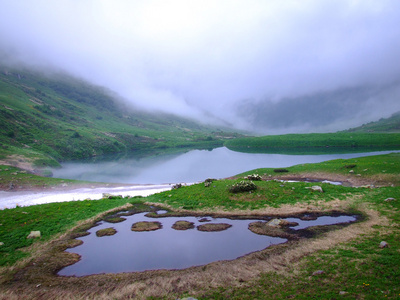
33	235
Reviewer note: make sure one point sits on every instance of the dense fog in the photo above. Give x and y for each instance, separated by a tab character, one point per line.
269	66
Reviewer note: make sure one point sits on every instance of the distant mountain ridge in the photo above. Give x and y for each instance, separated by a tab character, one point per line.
57	117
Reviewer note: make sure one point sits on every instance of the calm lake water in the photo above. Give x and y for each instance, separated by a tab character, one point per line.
192	166
167	248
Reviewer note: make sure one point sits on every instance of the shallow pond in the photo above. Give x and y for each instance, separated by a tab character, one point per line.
192	166
168	248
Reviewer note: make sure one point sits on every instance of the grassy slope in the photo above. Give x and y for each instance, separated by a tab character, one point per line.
54	118
391	124
381	135
317	143
358	267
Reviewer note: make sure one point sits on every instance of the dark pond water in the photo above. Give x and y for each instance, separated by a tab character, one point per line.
192	166
167	248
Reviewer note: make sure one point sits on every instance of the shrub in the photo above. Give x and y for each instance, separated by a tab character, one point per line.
281	170
208	182
242	186
254	177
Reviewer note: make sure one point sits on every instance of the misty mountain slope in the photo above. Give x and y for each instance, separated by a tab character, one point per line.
60	117
391	124
323	111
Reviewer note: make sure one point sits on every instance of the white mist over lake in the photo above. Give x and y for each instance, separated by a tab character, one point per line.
192	166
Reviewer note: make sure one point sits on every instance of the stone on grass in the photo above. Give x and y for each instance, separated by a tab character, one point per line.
33	234
342	293
1	243
389	199
318	272
383	244
317	188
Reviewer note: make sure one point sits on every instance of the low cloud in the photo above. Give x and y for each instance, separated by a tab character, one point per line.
203	58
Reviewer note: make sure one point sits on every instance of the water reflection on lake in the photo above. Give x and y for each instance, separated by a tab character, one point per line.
167	248
192	166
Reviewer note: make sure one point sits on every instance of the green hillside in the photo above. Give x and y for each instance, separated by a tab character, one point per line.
391	124
317	143
45	119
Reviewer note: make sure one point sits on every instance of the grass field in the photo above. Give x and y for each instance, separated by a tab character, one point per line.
350	262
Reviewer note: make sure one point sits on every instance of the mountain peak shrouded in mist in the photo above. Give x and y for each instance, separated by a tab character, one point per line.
309	66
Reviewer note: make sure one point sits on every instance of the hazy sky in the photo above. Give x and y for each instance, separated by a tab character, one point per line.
206	57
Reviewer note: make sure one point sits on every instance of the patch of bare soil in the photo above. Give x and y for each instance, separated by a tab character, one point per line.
36	278
18	161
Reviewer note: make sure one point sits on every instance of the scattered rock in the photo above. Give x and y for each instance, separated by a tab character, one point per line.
342	293
146	226
351	171
318	272
106	231
183	225
34	234
368	186
274	223
389	199
383	244
1	243
106	195
317	188
213	227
